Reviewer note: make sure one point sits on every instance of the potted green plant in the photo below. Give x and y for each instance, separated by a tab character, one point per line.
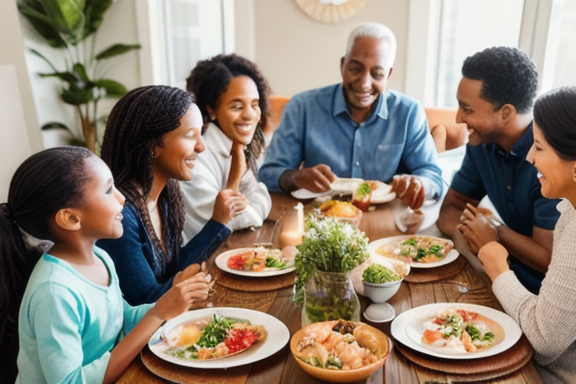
72	25
330	250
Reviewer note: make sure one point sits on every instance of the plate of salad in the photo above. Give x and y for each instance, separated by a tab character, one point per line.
420	251
219	338
456	330
256	261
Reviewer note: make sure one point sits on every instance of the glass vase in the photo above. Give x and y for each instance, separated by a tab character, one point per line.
330	296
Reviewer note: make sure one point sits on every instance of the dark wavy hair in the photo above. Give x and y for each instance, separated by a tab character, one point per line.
555	114
508	76
136	125
211	78
43	184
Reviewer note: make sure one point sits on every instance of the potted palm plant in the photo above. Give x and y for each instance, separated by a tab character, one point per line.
72	25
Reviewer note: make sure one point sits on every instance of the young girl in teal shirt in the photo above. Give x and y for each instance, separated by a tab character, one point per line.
72	313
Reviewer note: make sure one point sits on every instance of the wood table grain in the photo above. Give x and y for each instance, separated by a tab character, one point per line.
466	286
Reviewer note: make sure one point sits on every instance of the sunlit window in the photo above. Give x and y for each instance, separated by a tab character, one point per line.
563	49
467	27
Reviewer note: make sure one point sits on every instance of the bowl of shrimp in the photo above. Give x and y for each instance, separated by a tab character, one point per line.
340	351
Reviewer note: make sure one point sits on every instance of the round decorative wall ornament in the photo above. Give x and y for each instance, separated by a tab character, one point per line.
331	11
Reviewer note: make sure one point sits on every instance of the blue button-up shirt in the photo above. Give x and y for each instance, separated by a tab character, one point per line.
316	128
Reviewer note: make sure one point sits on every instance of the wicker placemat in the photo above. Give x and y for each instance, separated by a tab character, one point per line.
427	275
487	368
186	375
253	284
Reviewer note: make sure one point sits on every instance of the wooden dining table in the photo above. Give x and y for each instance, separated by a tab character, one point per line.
457	282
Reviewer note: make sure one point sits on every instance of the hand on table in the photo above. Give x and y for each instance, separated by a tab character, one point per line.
410	190
229	204
476	228
315	179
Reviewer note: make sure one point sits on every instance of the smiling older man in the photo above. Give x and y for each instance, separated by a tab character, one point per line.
357	128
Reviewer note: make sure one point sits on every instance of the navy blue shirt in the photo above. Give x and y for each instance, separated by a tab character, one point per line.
144	273
513	187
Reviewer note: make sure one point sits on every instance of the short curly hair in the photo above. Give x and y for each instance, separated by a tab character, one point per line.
211	78
508	76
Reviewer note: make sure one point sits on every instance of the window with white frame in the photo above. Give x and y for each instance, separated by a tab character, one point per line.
467	27
544	29
562	47
186	31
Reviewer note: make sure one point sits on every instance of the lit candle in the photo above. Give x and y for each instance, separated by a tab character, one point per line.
293	227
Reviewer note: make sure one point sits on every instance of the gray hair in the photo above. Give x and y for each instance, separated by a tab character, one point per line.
377	31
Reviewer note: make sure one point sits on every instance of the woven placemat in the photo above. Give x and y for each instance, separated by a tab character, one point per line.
487	368
427	275
186	375
253	284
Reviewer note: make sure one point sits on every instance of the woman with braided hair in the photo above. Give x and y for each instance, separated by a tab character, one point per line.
151	141
232	95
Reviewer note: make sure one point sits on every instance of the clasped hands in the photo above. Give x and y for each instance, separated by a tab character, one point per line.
477	228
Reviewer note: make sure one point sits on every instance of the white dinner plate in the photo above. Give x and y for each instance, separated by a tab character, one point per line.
345	186
407	328
382	194
376	244
278	336
222	263
304	194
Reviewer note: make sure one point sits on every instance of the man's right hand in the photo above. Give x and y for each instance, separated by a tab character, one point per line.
315	179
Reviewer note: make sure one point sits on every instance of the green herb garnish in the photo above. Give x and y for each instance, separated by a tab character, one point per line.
363	189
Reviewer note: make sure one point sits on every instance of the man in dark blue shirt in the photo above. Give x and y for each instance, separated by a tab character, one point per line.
495	96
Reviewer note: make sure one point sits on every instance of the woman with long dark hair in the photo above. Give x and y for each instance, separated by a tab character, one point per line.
232	95
151	141
547	319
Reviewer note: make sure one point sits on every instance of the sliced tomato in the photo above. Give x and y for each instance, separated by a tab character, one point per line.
235	262
239	339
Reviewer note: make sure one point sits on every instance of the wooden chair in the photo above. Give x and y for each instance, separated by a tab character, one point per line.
446	132
277	103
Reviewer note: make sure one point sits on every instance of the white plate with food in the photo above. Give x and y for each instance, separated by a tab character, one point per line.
420	250
345	186
437	330
171	342
256	262
304	194
381	193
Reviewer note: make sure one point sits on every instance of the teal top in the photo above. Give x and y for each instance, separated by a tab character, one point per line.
68	325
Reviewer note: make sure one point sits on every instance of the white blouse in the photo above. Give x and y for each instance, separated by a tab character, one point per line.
209	178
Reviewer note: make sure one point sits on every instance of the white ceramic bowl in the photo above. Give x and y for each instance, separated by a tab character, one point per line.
380	293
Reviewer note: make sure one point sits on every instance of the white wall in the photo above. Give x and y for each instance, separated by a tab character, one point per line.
19	132
297	53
